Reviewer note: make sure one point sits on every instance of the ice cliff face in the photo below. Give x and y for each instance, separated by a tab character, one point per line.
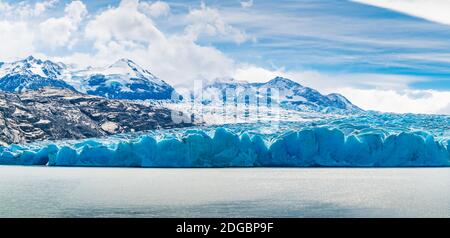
317	147
53	114
281	91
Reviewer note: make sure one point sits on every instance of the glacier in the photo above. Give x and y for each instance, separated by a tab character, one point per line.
379	140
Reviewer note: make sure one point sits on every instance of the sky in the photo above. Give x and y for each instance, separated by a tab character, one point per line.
385	55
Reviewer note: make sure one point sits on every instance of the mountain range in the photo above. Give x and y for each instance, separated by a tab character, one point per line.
122	80
125	79
282	91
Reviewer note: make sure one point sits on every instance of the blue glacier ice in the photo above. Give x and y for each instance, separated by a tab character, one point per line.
356	141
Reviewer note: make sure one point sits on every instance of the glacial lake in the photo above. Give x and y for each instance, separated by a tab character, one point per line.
256	192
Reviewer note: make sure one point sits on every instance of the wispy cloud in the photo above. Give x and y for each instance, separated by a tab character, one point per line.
311	30
247	4
25	9
207	21
436	10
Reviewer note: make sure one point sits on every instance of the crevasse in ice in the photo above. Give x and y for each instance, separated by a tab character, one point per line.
380	141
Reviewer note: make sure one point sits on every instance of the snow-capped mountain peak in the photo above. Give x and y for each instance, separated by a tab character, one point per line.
126	64
124	61
130	68
342	101
123	79
30	74
282	83
32	59
32	66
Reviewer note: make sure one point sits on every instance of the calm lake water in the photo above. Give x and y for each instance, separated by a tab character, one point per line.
105	192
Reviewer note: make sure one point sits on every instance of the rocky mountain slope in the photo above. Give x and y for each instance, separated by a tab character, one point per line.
52	113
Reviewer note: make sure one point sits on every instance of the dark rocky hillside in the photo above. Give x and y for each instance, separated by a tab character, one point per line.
53	114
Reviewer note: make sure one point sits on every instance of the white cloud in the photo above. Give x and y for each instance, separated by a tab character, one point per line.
181	60
123	24
445	110
326	81
155	9
61	29
76	11
405	101
16	40
247	4
5	7
206	21
24	9
116	32
80	60
22	36
436	10
41	7
126	32
253	73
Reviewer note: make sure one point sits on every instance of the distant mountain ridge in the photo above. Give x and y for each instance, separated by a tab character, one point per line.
290	95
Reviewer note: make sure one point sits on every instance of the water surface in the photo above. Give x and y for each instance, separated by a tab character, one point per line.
107	192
